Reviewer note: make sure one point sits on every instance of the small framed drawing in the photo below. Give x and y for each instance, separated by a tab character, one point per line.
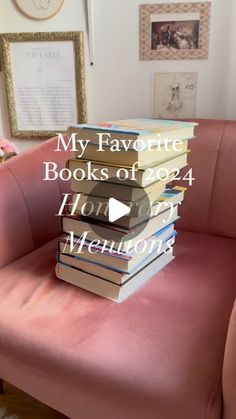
174	31
175	95
45	82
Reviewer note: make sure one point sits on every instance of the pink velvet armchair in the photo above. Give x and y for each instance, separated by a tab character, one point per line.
162	354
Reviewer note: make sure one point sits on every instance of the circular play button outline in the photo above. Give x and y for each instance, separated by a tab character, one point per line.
106	200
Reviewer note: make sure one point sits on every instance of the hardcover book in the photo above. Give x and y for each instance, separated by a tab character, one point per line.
132	129
108	289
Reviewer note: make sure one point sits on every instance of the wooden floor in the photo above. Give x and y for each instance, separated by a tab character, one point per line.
24	406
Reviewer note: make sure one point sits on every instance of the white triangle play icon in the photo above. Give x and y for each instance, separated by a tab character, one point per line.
116	210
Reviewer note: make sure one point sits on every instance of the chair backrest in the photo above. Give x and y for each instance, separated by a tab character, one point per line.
28	204
210	204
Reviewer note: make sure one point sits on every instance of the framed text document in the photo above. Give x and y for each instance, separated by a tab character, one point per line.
45	84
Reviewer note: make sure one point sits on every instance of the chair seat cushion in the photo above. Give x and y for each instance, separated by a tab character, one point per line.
157	355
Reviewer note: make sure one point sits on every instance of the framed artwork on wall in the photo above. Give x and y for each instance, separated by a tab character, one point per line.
175	95
174	31
39	9
45	82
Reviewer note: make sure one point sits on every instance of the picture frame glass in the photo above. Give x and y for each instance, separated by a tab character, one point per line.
45	95
45	82
176	32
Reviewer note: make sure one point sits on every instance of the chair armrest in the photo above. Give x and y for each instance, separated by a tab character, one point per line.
229	370
28	204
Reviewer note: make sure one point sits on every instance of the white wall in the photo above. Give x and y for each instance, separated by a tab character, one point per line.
121	86
231	66
70	18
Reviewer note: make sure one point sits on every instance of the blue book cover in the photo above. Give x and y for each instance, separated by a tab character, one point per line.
140	127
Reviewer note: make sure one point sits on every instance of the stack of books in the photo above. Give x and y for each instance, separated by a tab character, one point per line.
122	231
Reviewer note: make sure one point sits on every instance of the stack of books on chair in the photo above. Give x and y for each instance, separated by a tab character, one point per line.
112	255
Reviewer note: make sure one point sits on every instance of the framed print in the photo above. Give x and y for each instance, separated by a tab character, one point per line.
174	31
39	9
175	95
45	82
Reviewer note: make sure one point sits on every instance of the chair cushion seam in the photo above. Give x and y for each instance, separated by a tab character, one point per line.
26	206
48	156
214	177
216	385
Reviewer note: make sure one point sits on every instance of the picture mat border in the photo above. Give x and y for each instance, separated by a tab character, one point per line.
146	12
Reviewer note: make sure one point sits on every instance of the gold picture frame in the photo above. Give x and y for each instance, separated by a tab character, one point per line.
44	54
175	31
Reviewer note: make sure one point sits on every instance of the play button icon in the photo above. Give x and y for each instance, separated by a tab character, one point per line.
106	211
117	210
